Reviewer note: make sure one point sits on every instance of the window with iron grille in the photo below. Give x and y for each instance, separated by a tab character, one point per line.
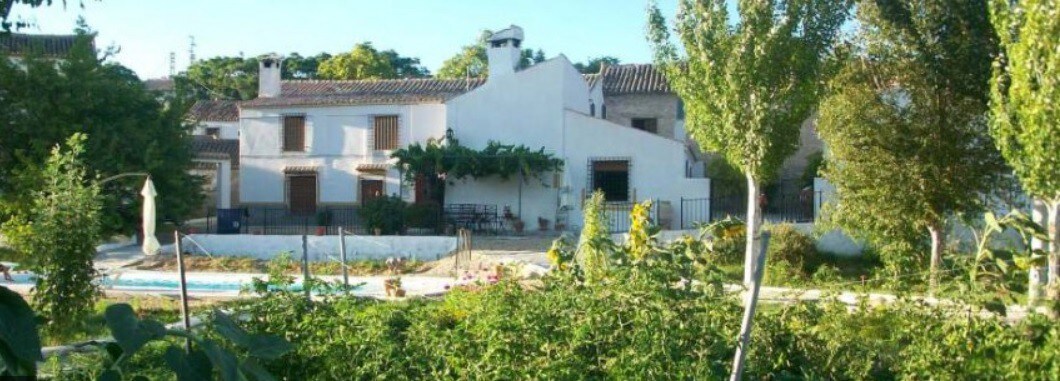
611	177
294	133
214	132
385	133
646	124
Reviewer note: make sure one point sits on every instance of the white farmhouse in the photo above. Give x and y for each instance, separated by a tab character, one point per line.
307	144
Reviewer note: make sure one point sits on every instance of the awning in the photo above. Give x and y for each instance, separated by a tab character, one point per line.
373	167
300	170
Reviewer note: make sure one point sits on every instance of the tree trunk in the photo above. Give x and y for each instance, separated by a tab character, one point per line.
754	226
1053	287
1036	274
937	242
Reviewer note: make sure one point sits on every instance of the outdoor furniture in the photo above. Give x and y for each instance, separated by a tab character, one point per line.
474	217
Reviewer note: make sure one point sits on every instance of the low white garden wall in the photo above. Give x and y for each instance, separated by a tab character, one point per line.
320	248
834	242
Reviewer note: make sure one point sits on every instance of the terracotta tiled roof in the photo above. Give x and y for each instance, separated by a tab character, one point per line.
634	79
300	169
380	91
372	167
49	45
159	84
214	111
591	79
208	147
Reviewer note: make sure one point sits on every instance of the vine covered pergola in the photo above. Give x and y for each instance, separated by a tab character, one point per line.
436	162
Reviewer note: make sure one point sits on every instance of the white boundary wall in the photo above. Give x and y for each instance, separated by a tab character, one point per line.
321	248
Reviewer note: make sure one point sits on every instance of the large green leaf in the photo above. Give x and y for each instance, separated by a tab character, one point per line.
19	339
131	333
225	362
191	367
252	368
266	347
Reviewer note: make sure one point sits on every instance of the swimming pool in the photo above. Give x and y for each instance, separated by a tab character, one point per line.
230	284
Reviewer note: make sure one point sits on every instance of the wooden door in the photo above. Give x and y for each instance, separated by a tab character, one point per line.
302	194
371	190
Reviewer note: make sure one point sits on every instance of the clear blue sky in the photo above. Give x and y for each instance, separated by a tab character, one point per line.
432	30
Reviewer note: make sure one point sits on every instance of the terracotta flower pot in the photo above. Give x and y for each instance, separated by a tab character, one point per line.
399	292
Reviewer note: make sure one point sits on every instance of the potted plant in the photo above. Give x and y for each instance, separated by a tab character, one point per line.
392	285
542	224
323	220
518	225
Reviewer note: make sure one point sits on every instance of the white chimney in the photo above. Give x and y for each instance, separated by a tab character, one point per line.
503	51
269	76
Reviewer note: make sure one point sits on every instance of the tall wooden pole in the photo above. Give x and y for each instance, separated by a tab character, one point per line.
186	319
749	311
305	268
342	257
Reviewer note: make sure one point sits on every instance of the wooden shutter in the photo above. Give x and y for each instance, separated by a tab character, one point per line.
302	194
294	133
386	132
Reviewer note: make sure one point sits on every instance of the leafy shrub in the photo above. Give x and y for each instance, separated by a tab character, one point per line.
628	328
424	215
384	213
728	240
60	233
796	249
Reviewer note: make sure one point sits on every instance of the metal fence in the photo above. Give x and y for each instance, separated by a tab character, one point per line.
327	220
616	214
783	203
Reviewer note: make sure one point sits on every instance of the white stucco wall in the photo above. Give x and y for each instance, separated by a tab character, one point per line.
337	140
320	248
657	163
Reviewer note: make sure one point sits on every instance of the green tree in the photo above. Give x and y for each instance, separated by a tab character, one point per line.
363	62
295	66
59	234
748	83
1025	105
593	65
234	78
405	67
6	6
128	131
906	122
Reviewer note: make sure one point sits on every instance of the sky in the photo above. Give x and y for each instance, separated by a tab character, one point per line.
146	31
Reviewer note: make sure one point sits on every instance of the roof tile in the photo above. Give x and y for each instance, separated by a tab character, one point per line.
214	111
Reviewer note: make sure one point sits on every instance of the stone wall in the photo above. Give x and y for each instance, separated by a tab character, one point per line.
622	108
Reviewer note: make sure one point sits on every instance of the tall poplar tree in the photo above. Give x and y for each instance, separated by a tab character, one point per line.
905	124
748	81
1026	107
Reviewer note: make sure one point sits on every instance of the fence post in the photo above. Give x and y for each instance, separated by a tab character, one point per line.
305	268
342	257
185	319
681	214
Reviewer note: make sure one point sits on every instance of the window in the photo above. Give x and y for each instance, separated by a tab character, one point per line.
645	124
302	194
371	190
612	178
214	132
592	109
385	133
603	111
294	133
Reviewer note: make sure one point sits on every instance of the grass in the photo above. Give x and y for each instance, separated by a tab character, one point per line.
164	310
253	265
